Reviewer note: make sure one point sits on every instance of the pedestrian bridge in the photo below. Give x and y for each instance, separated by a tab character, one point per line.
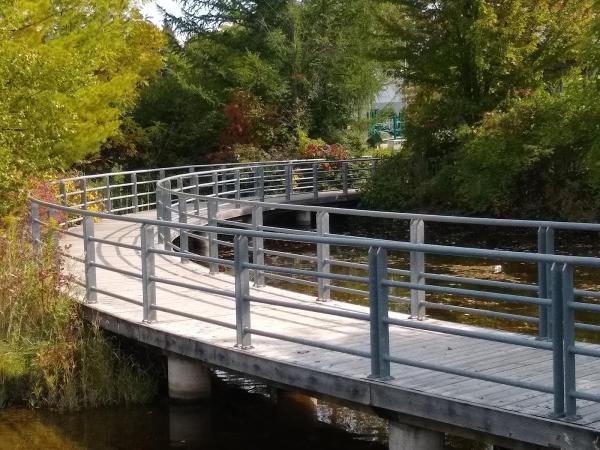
182	259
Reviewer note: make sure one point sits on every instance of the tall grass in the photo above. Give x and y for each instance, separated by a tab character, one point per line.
49	356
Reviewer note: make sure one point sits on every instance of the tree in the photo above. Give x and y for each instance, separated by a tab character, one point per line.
252	73
68	69
466	57
500	88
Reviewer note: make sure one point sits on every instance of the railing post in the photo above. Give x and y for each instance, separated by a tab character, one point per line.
569	341
323	255
258	243
89	259
549	249
160	214
288	181
543	310
315	180
196	191
558	365
36	230
107	194
261	183
215	181
134	192
148	272
238	187
242	291
378	305
183	233
213	245
345	177
63	192
417	270
373	166
83	189
167	217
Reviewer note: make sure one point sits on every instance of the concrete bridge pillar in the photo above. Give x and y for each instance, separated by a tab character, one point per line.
408	437
303	219
189	381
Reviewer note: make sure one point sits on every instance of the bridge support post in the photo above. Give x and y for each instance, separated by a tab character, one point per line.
323	255
303	219
417	270
408	437
258	244
189	380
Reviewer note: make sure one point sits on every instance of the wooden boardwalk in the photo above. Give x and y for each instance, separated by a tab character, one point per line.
444	402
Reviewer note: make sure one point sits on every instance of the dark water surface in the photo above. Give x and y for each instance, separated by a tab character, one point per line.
241	415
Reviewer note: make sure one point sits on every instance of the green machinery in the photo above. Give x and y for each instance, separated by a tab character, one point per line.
392	123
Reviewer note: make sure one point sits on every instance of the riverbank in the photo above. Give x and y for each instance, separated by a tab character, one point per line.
49	357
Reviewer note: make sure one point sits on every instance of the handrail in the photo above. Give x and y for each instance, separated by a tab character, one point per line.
196	202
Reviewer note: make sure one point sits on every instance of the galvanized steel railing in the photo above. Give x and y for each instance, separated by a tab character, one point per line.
195	203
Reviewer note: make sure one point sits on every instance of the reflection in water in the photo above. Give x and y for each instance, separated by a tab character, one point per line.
242	414
499	238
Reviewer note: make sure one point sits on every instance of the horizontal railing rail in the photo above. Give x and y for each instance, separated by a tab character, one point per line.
206	204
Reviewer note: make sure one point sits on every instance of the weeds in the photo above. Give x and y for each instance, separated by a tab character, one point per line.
49	356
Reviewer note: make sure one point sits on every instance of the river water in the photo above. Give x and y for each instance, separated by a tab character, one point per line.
245	414
242	414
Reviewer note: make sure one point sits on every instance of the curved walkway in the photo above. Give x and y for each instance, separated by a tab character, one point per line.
196	317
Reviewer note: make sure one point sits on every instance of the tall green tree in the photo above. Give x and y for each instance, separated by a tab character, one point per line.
68	70
251	73
465	57
494	85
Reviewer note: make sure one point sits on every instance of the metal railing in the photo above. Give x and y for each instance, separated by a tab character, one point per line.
198	204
